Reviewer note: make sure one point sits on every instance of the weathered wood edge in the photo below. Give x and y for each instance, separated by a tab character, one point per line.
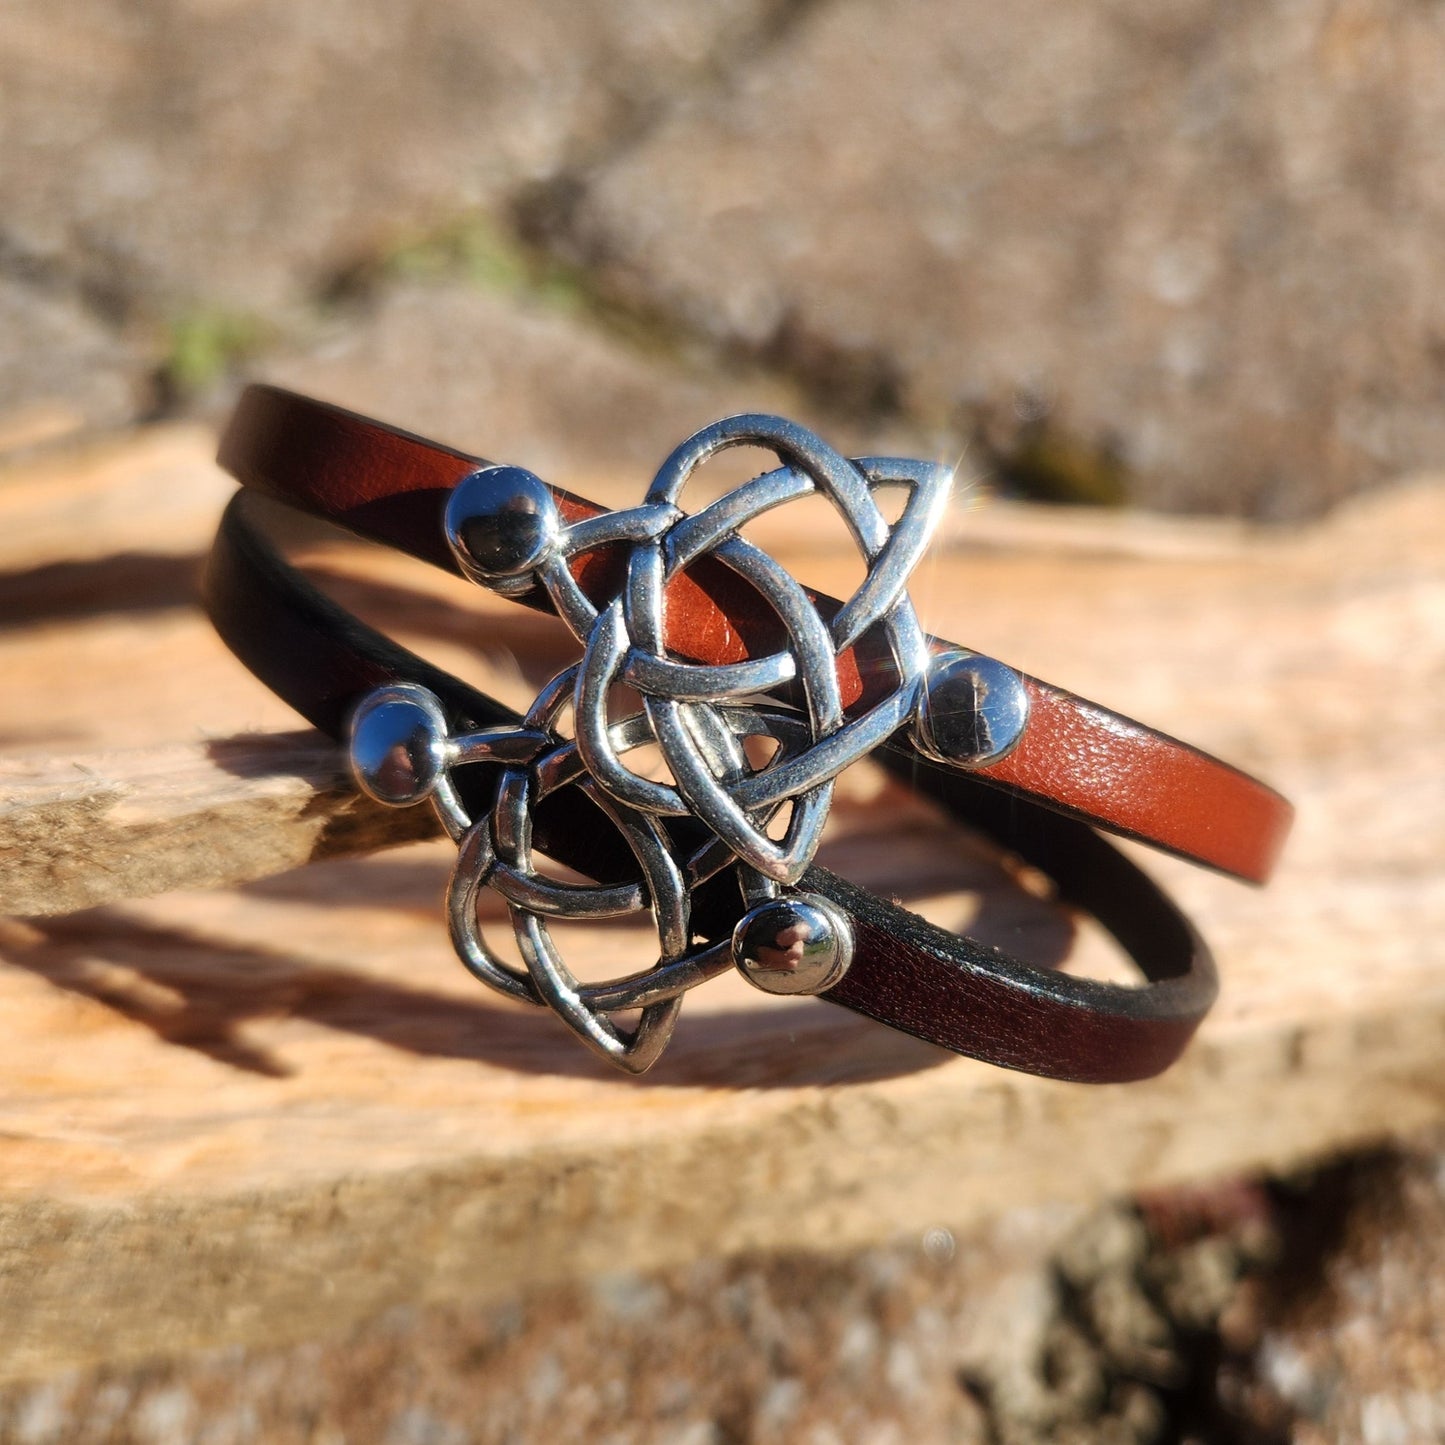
84	1283
133	823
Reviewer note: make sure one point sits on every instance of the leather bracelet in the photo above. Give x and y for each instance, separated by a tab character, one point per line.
1055	749
901	970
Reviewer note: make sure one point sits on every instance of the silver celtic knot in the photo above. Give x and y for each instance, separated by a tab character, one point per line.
506	532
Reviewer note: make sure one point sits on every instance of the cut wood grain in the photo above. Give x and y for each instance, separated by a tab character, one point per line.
156	494
267	1110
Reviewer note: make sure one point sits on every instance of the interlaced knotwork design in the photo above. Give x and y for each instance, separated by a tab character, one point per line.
697	715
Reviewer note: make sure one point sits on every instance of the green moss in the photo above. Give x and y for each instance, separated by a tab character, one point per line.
205	344
477	250
472	248
1048	465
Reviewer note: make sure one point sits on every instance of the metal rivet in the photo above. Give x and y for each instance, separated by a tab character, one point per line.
502	524
972	710
398	744
797	944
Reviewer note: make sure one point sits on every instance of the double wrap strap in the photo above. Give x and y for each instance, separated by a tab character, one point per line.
905	972
1074	764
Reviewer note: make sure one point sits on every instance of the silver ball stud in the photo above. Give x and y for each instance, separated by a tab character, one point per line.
398	746
797	944
502	524
972	711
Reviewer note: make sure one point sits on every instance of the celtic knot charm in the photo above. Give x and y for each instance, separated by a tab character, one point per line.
506	532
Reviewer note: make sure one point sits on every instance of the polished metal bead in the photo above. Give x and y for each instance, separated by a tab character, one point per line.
502	524
398	744
796	944
972	710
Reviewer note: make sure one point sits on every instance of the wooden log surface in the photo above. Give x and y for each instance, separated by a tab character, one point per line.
267	1102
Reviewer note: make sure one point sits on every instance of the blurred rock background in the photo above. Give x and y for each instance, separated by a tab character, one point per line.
1176	253
1183	253
1300	1312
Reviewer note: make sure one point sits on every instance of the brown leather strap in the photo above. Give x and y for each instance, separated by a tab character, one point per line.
952	991
1074	756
